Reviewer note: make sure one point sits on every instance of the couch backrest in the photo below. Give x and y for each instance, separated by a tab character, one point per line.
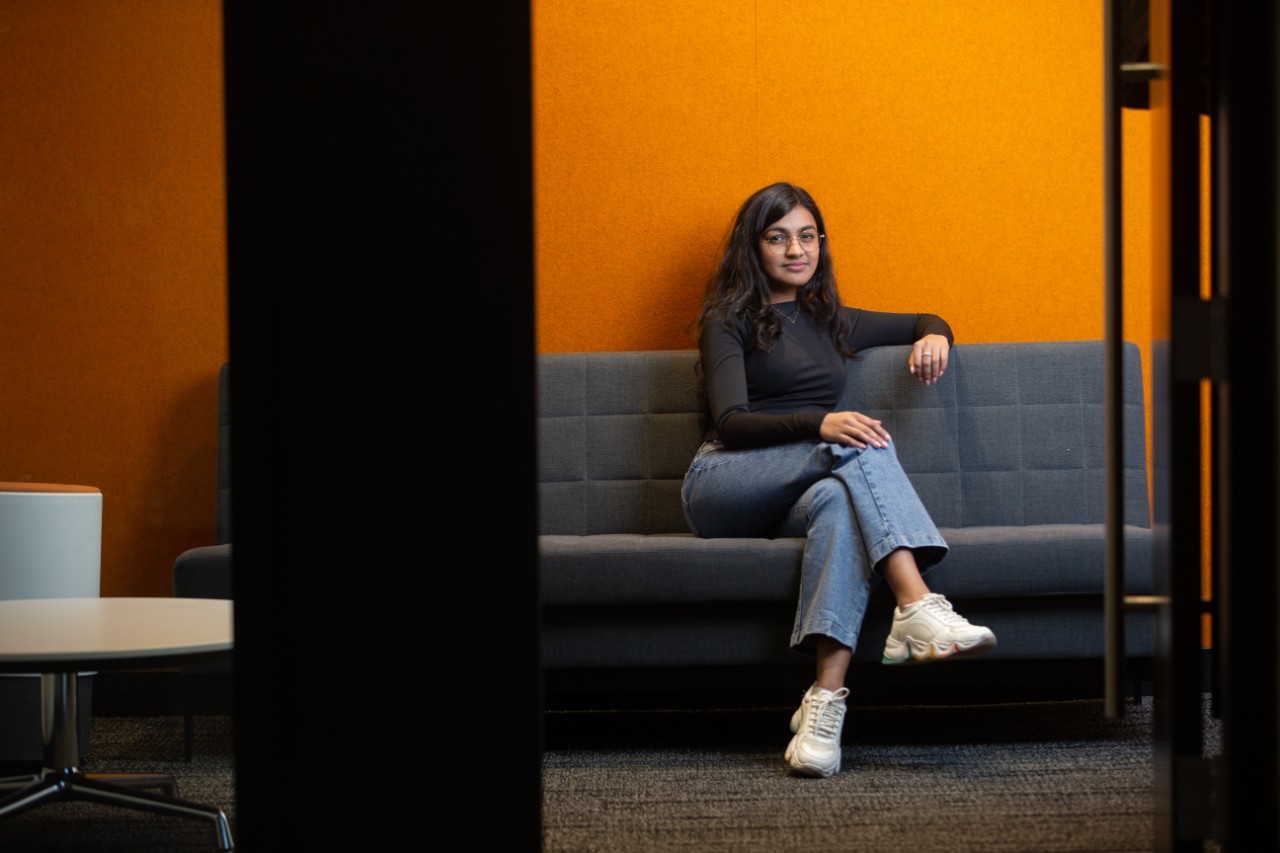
1012	434
223	509
616	432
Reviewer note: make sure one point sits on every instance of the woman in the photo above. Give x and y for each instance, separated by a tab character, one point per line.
780	461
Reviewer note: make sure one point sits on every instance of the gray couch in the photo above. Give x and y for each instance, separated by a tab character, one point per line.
1006	451
205	572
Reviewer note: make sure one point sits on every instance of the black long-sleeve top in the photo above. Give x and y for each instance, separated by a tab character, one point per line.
759	398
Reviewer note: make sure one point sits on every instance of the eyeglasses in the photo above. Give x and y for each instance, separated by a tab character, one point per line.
779	243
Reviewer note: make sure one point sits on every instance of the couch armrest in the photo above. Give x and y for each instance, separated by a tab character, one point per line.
203	572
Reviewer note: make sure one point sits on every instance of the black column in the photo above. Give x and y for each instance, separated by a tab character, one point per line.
1245	139
381	316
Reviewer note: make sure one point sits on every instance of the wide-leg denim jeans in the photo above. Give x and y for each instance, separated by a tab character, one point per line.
853	506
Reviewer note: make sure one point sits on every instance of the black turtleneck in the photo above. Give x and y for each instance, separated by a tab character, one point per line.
758	398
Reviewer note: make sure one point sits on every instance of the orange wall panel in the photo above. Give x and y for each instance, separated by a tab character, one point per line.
113	265
956	150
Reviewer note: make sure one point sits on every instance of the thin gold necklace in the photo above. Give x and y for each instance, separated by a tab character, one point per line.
793	317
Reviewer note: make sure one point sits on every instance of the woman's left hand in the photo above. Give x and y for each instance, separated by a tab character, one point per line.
929	358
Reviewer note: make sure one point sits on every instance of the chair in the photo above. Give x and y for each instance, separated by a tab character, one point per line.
205	572
50	547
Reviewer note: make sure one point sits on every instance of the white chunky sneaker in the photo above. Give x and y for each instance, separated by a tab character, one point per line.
928	630
815	749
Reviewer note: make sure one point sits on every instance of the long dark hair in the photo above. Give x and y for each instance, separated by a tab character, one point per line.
739	287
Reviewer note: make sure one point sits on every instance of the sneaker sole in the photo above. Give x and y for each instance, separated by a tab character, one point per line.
811	770
932	652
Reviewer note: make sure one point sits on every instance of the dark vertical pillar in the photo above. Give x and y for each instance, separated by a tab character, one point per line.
1245	138
381	316
1178	718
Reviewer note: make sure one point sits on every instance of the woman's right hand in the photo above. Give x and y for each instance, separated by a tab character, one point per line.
854	429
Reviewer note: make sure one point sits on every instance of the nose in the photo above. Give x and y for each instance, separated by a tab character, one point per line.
794	247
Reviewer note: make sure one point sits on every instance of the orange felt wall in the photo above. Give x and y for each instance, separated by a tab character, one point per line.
113	267
956	150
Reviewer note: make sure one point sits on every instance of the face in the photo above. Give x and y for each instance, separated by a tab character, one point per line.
789	250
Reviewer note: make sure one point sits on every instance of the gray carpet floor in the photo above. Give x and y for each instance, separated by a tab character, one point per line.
1055	777
137	745
1051	777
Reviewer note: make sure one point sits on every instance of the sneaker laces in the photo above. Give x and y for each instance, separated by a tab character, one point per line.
821	723
941	608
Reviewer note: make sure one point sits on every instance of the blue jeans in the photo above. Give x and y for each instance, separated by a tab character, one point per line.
853	506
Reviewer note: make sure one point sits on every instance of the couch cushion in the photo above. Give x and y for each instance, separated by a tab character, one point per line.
650	569
984	562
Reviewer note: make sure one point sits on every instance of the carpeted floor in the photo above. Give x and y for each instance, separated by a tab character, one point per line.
1052	777
137	745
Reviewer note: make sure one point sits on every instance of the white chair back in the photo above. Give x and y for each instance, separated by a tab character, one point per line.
50	541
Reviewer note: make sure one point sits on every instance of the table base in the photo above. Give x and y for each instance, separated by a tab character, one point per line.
60	779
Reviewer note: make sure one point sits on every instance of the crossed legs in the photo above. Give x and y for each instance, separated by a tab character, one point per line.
902	575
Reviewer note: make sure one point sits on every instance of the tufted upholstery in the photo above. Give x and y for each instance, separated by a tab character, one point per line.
1006	451
617	431
1012	434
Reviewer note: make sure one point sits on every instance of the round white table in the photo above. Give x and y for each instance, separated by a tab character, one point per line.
58	637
